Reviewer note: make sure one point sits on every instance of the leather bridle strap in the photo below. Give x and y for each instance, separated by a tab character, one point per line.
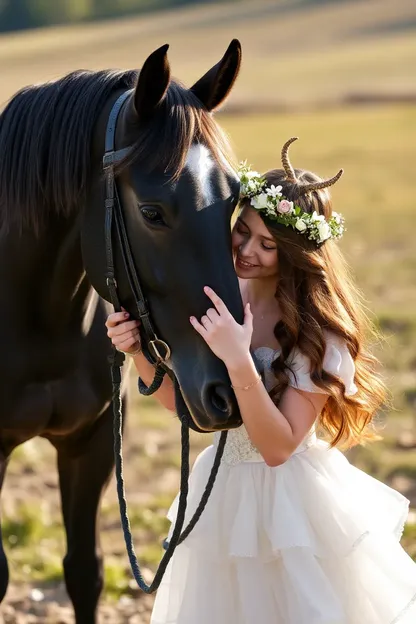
114	213
114	216
109	160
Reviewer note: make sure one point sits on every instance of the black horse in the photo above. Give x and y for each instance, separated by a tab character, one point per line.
178	193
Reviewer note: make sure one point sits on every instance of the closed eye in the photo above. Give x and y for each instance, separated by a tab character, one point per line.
241	229
244	232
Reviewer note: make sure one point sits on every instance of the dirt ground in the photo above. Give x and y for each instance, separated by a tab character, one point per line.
27	605
151	450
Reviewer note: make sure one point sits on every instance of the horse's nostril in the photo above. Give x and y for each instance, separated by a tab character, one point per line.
220	399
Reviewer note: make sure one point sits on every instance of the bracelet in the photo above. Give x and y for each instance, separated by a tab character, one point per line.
251	385
138	350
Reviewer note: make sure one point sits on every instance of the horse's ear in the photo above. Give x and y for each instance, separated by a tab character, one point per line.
214	87
153	82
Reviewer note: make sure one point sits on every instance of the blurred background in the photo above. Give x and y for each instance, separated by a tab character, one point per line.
338	74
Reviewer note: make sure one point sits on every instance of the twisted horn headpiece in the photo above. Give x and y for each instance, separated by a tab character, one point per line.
315	186
290	172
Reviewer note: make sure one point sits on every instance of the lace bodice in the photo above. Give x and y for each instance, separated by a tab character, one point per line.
337	361
239	447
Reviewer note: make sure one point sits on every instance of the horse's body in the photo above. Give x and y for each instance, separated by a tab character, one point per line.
55	384
54	373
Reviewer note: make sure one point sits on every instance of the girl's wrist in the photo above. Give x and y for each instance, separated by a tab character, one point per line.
138	355
241	367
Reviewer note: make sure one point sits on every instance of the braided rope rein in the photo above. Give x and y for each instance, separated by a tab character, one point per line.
177	536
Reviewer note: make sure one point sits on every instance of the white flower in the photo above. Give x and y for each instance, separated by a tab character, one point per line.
285	207
324	231
252	174
337	218
315	218
274	191
260	201
300	225
251	185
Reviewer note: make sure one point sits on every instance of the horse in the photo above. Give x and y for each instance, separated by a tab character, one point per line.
177	191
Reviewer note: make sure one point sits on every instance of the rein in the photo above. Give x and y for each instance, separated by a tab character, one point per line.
156	351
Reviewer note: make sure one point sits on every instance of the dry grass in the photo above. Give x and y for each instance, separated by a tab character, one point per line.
293	52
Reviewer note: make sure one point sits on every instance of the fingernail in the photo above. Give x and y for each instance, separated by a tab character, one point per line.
126	315
206	288
191	318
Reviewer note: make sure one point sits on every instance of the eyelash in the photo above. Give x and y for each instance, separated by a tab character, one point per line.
244	233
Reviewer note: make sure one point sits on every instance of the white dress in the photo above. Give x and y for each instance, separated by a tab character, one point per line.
313	541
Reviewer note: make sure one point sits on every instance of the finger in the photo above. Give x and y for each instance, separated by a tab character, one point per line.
121	328
115	318
212	315
138	321
117	340
197	325
217	301
206	322
128	344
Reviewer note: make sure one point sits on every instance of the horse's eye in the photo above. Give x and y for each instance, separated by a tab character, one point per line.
152	215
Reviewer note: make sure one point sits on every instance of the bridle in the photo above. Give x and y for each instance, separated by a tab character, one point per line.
113	212
157	351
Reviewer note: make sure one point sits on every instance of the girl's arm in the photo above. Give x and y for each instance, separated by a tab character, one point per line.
125	336
166	393
275	431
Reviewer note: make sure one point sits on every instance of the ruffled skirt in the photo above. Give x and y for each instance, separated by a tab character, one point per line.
314	541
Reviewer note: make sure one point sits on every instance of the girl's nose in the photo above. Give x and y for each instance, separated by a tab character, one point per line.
246	247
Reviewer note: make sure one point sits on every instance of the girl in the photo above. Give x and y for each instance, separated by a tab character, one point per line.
292	533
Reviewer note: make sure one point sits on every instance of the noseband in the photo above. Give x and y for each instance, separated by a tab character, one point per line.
157	351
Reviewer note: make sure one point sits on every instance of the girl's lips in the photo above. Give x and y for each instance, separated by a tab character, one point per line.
245	265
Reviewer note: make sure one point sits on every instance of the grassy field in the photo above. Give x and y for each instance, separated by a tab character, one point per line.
294	52
368	48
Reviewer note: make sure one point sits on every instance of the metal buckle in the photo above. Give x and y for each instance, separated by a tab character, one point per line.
108	159
111	281
115	156
162	343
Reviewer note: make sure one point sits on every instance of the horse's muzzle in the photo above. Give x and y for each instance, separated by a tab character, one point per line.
220	405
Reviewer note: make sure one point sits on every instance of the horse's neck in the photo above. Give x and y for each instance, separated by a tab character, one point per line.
46	275
69	287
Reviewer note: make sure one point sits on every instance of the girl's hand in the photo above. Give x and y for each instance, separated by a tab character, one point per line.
124	334
226	338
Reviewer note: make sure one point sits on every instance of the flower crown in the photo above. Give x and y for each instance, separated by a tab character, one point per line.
271	202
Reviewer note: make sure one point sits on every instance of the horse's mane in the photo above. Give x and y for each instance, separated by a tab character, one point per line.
45	142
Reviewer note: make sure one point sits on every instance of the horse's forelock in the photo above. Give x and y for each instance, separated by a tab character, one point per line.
46	134
180	122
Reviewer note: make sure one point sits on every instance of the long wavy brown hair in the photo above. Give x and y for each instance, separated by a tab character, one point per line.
316	294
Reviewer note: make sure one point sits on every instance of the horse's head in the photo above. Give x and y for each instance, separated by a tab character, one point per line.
177	193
